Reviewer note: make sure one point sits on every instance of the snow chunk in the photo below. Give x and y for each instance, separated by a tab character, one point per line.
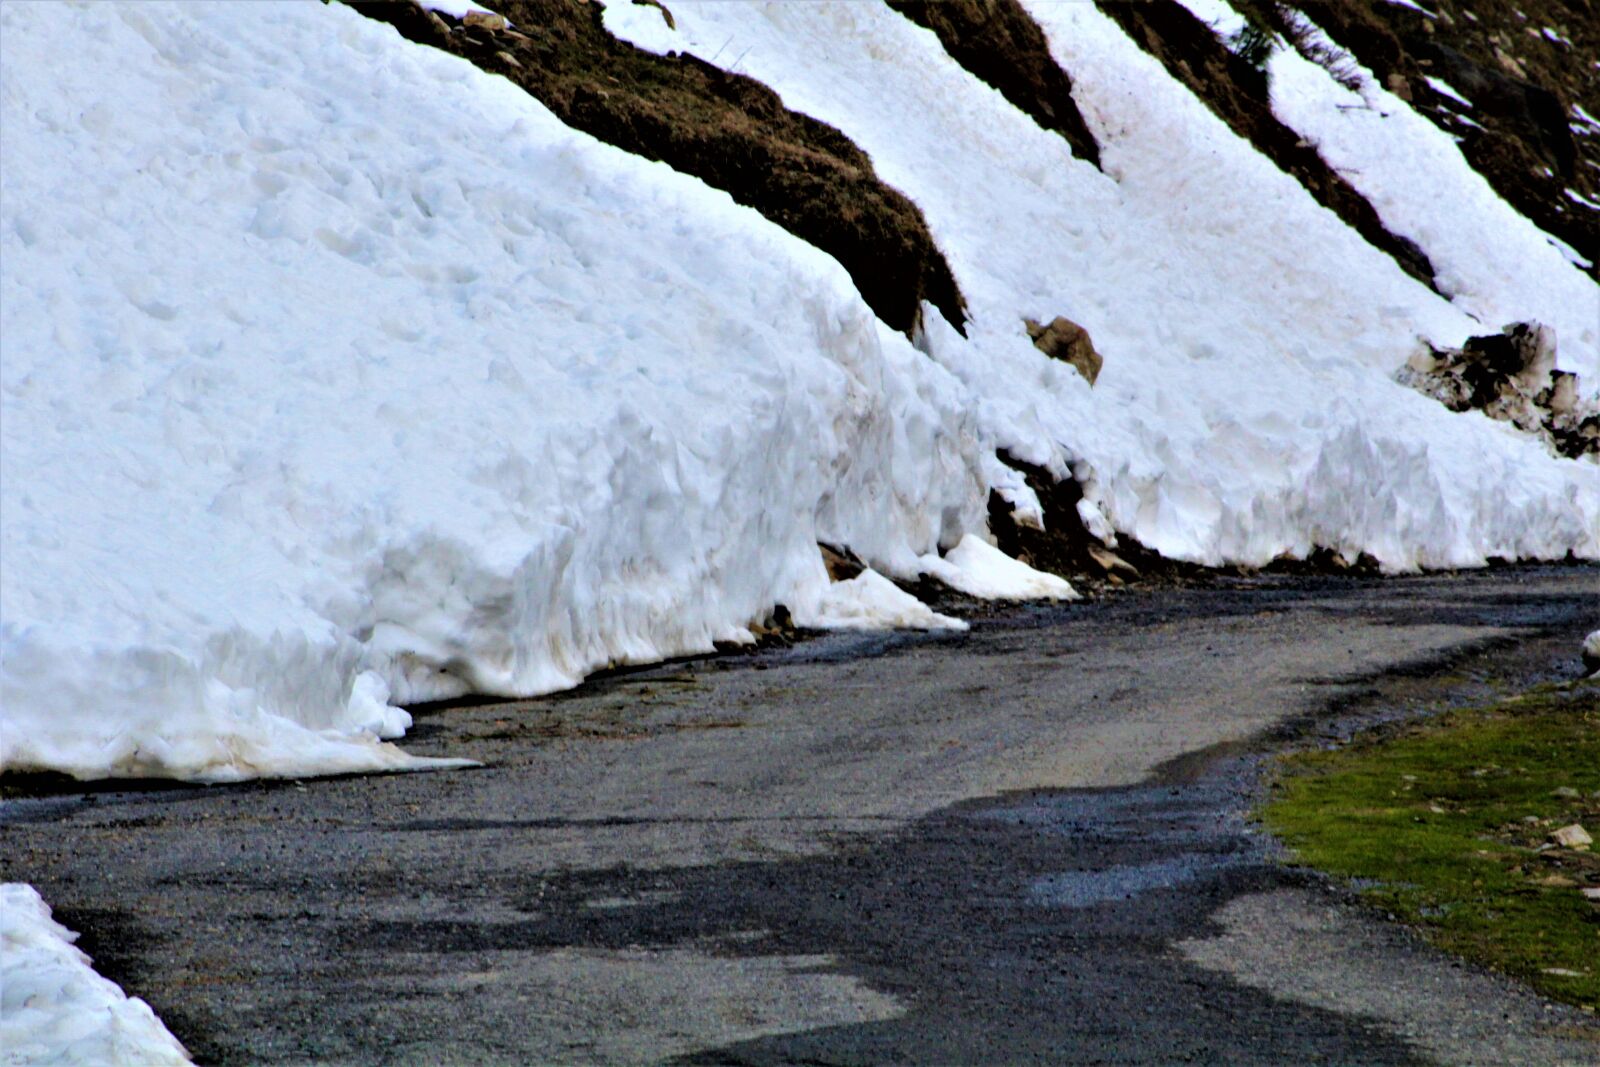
869	601
55	1009
1443	88
979	569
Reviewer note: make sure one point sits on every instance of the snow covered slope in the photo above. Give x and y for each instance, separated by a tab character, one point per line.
1246	406
339	375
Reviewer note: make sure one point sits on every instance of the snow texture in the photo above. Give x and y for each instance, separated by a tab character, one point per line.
54	1009
1246	408
339	375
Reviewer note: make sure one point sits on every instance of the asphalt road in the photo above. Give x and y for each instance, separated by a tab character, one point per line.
1024	844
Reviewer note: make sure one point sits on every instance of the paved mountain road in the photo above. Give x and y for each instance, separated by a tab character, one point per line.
1024	844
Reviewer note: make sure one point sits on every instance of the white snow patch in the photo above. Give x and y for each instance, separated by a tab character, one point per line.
456	9
1591	652
1414	7
340	375
55	1009
979	569
869	601
1553	35
1443	88
1574	195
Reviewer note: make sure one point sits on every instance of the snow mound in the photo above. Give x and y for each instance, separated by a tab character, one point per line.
55	1009
1246	407
869	601
339	375
977	568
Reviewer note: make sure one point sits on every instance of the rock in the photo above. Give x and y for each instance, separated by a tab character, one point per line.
1565	792
1111	563
1591	893
1591	653
509	60
484	20
842	564
1574	837
1511	376
1065	340
1397	84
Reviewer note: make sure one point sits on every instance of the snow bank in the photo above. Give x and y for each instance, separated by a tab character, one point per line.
339	375
1246	406
55	1009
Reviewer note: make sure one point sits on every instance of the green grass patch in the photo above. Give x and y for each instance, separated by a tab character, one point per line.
1447	823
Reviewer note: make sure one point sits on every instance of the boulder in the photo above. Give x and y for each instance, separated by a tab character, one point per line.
1511	376
1065	340
484	20
1574	837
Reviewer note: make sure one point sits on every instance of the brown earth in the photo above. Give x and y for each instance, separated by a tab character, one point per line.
1522	85
1000	44
1237	93
728	130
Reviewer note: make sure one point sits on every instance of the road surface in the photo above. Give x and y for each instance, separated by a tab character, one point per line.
1023	844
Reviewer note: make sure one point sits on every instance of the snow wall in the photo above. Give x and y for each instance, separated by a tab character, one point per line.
339	375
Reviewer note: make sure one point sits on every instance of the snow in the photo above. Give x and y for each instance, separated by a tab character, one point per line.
456	9
1591	652
339	375
1414	7
1246	407
977	568
55	1009
1443	88
869	601
1492	261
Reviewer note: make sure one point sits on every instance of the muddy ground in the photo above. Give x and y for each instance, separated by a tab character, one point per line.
1024	844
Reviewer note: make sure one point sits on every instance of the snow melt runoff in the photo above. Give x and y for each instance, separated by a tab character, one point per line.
339	375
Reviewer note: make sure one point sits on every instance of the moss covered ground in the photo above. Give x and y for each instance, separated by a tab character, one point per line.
1448	824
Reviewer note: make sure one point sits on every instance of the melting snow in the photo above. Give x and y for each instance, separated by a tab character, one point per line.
55	1009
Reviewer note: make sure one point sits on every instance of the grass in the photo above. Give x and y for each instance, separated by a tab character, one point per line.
1446	824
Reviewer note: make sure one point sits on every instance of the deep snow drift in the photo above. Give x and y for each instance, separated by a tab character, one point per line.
55	1009
339	375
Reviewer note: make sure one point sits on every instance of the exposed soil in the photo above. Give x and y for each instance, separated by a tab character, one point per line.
726	129
999	43
1237	93
1522	86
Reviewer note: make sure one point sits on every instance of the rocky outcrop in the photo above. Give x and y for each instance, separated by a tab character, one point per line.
1511	376
1065	340
730	131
